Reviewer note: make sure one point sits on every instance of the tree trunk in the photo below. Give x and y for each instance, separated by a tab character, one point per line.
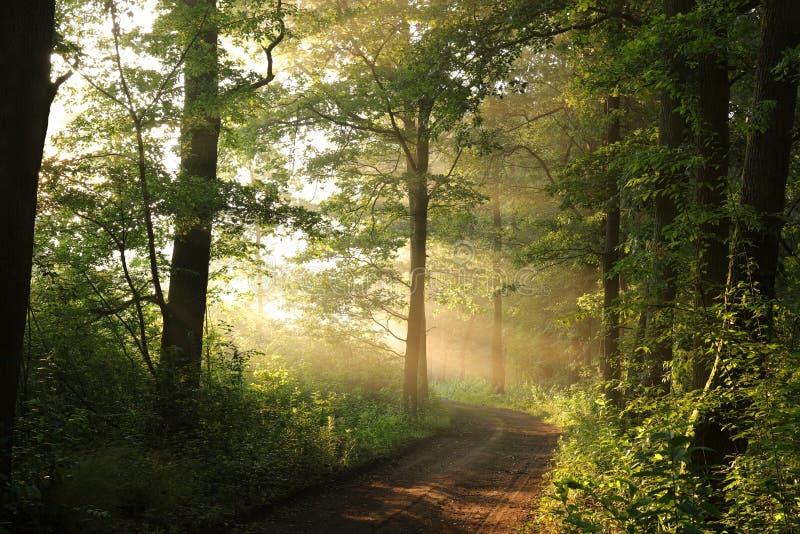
415	335
182	337
424	390
611	361
712	440
764	178
712	179
466	343
462	370
417	176
26	35
673	132
498	363
445	352
766	164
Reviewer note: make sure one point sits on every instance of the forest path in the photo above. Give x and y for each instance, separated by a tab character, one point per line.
480	476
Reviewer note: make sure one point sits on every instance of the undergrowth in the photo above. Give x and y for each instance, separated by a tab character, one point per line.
264	434
636	469
530	398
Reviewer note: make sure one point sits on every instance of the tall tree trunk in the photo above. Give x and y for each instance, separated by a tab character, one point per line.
764	178
610	366
26	35
415	335
673	132
445	352
712	440
424	389
462	369
466	343
182	337
498	363
417	176
713	142
766	164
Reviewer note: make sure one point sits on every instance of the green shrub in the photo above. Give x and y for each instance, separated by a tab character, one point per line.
267	429
632	471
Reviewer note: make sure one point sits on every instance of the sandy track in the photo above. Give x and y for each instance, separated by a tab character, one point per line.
481	476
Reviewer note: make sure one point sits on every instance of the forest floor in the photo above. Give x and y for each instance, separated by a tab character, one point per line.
481	475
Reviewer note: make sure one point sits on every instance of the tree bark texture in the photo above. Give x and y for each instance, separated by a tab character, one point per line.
182	337
713	141
610	366
417	186
26	36
424	388
673	132
764	179
415	335
766	164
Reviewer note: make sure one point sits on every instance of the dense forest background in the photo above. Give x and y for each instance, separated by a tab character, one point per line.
269	235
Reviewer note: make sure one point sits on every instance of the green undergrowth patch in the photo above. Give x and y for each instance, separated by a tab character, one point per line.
637	470
262	437
530	398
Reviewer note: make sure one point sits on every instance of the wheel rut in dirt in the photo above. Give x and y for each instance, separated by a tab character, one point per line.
480	476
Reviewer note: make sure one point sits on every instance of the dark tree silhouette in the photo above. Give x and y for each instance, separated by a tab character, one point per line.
26	35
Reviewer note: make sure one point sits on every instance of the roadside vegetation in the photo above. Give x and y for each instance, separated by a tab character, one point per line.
95	459
635	469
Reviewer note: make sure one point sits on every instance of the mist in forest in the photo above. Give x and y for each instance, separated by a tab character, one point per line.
251	248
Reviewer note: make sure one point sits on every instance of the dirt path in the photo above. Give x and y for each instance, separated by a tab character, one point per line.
481	476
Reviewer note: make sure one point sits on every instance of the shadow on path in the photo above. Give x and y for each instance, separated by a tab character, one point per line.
481	476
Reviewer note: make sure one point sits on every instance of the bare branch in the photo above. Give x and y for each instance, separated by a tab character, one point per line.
529	120
345	124
58	82
374	345
141	344
269	48
385	327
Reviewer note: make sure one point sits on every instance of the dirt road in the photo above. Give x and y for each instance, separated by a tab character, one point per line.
480	476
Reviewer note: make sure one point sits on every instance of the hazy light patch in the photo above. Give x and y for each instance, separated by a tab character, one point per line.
139	17
63	110
263	295
61	114
316	191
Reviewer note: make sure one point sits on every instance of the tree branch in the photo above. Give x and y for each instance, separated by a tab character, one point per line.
58	82
269	48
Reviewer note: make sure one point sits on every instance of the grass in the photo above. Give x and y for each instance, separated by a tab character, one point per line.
536	400
260	440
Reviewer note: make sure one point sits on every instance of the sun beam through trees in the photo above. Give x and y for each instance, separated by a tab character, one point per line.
251	249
